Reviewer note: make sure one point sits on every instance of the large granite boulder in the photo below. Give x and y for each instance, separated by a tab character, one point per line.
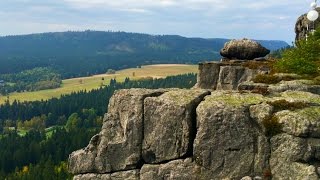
118	146
208	75
228	143
302	24
291	158
301	123
243	49
169	125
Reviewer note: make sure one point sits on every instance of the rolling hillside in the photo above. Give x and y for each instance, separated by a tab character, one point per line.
75	54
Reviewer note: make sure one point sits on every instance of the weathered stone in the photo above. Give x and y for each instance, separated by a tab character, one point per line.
118	145
260	112
295	85
231	76
173	170
303	24
208	75
169	124
128	175
301	96
244	49
303	123
227	139
287	154
246	178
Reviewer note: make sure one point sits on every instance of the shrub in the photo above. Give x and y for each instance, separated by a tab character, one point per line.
303	59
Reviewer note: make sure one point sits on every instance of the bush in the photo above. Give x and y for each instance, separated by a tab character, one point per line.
303	59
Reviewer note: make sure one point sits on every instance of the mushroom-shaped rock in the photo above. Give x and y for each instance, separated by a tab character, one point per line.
243	49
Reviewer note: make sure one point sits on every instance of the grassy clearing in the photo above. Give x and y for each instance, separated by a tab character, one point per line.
93	82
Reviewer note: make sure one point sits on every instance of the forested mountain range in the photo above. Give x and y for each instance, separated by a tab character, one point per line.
75	54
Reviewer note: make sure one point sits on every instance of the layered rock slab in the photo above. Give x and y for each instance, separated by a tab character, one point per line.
231	76
183	169
128	175
118	146
228	143
170	125
223	76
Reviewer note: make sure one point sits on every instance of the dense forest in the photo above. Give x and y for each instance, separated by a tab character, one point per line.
74	54
37	137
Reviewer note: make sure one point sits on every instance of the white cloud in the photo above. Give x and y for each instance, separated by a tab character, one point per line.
268	19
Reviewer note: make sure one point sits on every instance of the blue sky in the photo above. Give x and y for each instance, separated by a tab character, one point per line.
256	19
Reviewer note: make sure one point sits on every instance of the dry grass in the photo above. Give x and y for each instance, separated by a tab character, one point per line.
93	82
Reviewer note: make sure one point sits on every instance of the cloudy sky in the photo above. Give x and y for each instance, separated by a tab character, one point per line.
257	19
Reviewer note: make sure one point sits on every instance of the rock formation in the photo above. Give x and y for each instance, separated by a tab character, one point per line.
302	24
202	134
225	75
243	49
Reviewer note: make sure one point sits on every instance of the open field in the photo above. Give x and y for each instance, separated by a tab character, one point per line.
93	82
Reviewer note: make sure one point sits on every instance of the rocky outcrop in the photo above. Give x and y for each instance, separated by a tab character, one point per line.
169	125
243	49
197	134
225	76
303	26
118	146
292	158
283	86
228	142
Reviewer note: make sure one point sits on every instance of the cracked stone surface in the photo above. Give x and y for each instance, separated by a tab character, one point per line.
169	125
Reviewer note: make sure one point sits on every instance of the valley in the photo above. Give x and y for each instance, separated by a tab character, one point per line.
93	82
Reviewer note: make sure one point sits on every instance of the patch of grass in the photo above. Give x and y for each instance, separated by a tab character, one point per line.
272	78
266	79
235	99
280	105
93	82
258	64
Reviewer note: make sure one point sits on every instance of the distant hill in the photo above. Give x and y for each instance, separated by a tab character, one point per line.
84	53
